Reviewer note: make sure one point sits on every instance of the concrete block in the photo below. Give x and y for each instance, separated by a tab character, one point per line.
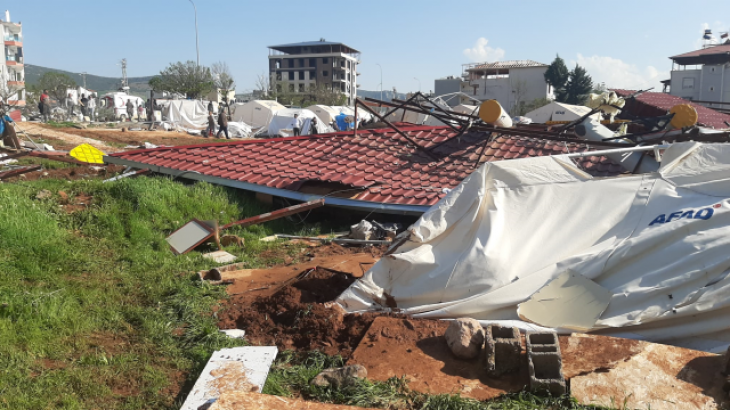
545	363
503	346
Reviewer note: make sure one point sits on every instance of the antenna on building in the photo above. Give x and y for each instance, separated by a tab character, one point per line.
83	77
708	38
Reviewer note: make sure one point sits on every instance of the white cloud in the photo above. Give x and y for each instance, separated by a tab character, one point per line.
482	52
619	74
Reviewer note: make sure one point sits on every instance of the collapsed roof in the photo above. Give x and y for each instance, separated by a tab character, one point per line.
378	169
651	104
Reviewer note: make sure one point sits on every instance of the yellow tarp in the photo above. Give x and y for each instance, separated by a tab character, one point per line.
87	153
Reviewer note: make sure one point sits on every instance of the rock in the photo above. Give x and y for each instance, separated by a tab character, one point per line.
228	240
80	126
465	338
43	194
342	376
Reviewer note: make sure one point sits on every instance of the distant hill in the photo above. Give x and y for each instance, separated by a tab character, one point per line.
137	85
388	95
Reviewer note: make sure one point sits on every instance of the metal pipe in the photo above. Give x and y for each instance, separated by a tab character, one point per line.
616	151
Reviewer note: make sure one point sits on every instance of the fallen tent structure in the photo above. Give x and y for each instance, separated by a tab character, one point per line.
557	112
325	113
659	242
192	116
656	104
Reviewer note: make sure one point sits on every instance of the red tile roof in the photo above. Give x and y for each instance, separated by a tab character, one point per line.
651	104
723	49
380	163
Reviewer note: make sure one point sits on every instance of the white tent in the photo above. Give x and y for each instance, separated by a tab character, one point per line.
362	114
325	113
256	113
187	114
280	124
659	243
557	111
118	101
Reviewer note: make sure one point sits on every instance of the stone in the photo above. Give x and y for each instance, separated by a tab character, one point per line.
43	194
465	338
228	240
341	376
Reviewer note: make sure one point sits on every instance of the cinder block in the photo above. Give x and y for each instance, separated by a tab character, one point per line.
545	363
503	346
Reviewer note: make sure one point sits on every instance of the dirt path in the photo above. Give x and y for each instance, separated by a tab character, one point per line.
43	132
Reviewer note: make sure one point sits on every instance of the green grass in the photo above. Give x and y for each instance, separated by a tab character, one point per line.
61	124
291	373
95	311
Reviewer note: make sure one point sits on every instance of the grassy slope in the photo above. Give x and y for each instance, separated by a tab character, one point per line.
95	311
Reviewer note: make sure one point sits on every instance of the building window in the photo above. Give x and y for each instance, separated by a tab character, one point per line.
348	63
301	88
291	88
291	75
312	75
325	74
688	82
342	87
278	76
278	87
325	60
278	64
301	62
312	62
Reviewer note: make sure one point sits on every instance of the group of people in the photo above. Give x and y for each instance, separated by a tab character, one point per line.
297	123
87	104
222	122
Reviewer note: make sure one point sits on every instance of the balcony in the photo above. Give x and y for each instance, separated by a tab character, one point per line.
13	43
19	84
13	60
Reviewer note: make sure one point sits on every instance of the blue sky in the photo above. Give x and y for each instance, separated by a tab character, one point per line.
622	43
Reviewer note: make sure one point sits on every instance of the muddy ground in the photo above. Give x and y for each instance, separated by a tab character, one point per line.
298	313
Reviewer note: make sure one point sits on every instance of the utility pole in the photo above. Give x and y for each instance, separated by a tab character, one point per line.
125	82
83	77
381	81
197	48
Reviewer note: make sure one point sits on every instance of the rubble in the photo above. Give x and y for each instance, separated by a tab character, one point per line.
465	338
341	376
503	346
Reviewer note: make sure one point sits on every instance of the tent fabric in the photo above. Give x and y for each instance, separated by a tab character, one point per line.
187	114
557	111
325	113
256	113
660	242
466	109
280	124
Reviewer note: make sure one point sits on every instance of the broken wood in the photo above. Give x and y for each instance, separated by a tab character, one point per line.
19	171
279	213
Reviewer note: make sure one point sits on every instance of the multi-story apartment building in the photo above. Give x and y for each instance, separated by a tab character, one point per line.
299	67
509	82
702	75
12	72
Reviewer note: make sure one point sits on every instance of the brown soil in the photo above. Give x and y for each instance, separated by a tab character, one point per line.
70	174
298	316
417	349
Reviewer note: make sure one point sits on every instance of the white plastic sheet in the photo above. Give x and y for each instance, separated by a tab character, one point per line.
281	123
660	242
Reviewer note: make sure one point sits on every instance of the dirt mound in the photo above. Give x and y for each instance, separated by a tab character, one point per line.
298	317
71	173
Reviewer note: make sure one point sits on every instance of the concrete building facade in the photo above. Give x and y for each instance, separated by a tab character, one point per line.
299	67
509	82
702	75
448	85
12	72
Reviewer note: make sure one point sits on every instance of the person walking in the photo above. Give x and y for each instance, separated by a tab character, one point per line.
313	126
84	105
140	113
210	106
46	104
130	110
150	110
70	105
211	125
91	107
222	124
296	125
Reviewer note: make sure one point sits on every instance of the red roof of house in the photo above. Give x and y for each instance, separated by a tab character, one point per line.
656	104
723	49
380	163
